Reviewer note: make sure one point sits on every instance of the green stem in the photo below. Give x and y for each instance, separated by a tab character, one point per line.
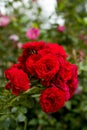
10	104
25	125
4	113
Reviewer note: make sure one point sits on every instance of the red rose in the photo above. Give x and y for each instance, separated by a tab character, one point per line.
54	49
34	46
18	80
30	63
73	82
57	49
29	49
52	99
67	79
8	86
66	71
47	67
61	84
45	51
22	59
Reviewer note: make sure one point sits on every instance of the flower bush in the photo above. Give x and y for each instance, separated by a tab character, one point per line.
41	61
21	109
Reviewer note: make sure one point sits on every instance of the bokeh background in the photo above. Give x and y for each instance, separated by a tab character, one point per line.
58	21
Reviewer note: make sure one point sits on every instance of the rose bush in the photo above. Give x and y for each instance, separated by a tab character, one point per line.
22	112
43	63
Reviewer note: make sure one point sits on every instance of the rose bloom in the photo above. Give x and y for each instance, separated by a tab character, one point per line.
4	21
65	72
29	49
47	67
67	79
52	99
61	28
73	82
34	46
54	49
30	63
62	85
57	49
18	80
33	33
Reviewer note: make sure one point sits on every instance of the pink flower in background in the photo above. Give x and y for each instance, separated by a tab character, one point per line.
19	45
33	33
4	21
61	28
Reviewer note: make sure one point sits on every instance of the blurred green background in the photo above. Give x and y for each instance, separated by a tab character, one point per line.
47	16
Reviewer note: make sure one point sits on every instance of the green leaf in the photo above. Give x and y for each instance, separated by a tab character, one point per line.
23	109
21	117
3	117
27	102
68	105
14	109
85	20
33	122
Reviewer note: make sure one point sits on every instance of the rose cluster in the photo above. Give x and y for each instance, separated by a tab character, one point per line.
48	63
